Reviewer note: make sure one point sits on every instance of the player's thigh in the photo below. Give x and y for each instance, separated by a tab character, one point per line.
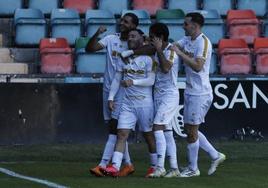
145	118
165	111
127	118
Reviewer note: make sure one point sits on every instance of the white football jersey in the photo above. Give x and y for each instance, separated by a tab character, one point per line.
197	83
114	47
167	82
137	68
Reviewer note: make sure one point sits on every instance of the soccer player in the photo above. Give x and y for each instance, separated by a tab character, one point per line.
166	100
137	76
114	44
195	50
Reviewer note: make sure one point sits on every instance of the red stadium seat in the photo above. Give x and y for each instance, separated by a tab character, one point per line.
150	5
80	5
261	55
56	55
243	24
234	56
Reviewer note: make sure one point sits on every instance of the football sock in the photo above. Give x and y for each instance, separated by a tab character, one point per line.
126	157
153	159
206	145
117	159
193	154
160	147
171	149
108	150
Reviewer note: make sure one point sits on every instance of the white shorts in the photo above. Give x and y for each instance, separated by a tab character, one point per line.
196	108
107	113
130	116
165	109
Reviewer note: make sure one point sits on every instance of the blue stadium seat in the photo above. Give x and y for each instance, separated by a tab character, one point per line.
30	26
144	19
96	18
7	8
260	7
214	26
185	5
117	9
174	19
44	5
93	63
222	6
65	23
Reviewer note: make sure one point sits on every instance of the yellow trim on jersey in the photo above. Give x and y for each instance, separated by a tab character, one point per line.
171	57
206	47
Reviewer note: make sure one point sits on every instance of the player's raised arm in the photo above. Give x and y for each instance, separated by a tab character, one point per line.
93	45
165	64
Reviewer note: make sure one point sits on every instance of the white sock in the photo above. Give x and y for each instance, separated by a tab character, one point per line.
117	159
171	149
193	154
153	159
108	150
126	156
161	147
206	145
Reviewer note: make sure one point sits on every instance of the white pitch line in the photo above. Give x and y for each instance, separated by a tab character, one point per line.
45	182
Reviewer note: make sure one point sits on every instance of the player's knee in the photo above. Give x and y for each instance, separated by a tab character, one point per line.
122	135
191	137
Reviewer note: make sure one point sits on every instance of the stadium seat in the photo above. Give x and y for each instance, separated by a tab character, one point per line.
80	5
265	27
243	24
144	19
222	6
7	8
185	5
174	19
116	10
214	26
56	55
65	23
234	56
261	55
150	5
260	7
93	63
96	18
30	26
44	5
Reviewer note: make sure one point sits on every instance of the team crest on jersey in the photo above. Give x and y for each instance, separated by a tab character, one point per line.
141	64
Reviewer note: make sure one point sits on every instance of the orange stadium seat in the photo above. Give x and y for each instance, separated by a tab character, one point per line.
261	55
234	56
243	24
56	55
80	5
150	5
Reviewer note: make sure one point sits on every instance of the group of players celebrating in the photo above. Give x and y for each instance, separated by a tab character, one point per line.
140	88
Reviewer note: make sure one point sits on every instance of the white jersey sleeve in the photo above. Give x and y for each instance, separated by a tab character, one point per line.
105	40
202	49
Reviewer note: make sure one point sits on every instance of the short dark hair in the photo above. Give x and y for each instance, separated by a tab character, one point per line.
134	18
138	30
196	17
160	29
